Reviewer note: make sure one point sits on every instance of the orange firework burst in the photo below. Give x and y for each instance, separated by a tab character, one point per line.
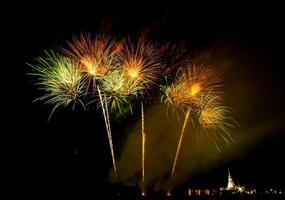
96	56
194	81
141	63
201	79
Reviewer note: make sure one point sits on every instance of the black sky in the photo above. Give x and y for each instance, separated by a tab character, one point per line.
70	154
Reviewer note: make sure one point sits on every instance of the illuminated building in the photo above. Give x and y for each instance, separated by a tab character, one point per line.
232	188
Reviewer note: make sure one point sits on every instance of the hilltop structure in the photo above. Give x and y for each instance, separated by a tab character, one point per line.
233	188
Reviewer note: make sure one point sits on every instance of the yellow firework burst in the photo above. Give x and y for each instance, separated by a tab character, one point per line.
213	118
212	114
176	95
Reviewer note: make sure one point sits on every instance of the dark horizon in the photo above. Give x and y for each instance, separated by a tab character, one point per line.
70	153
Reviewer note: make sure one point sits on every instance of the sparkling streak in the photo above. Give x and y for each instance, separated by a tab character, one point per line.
143	144
108	128
180	141
110	138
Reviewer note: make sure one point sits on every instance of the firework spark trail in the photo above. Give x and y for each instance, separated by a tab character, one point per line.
180	140
110	138
108	129
143	144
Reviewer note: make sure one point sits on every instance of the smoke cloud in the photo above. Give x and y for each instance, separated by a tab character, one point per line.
246	93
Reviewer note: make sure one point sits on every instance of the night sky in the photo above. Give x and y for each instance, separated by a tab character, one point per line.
70	154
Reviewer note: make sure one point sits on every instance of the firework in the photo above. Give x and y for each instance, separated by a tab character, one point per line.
141	63
118	73
192	82
176	95
214	120
97	57
139	68
119	90
186	91
202	79
108	129
60	79
180	141
143	144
